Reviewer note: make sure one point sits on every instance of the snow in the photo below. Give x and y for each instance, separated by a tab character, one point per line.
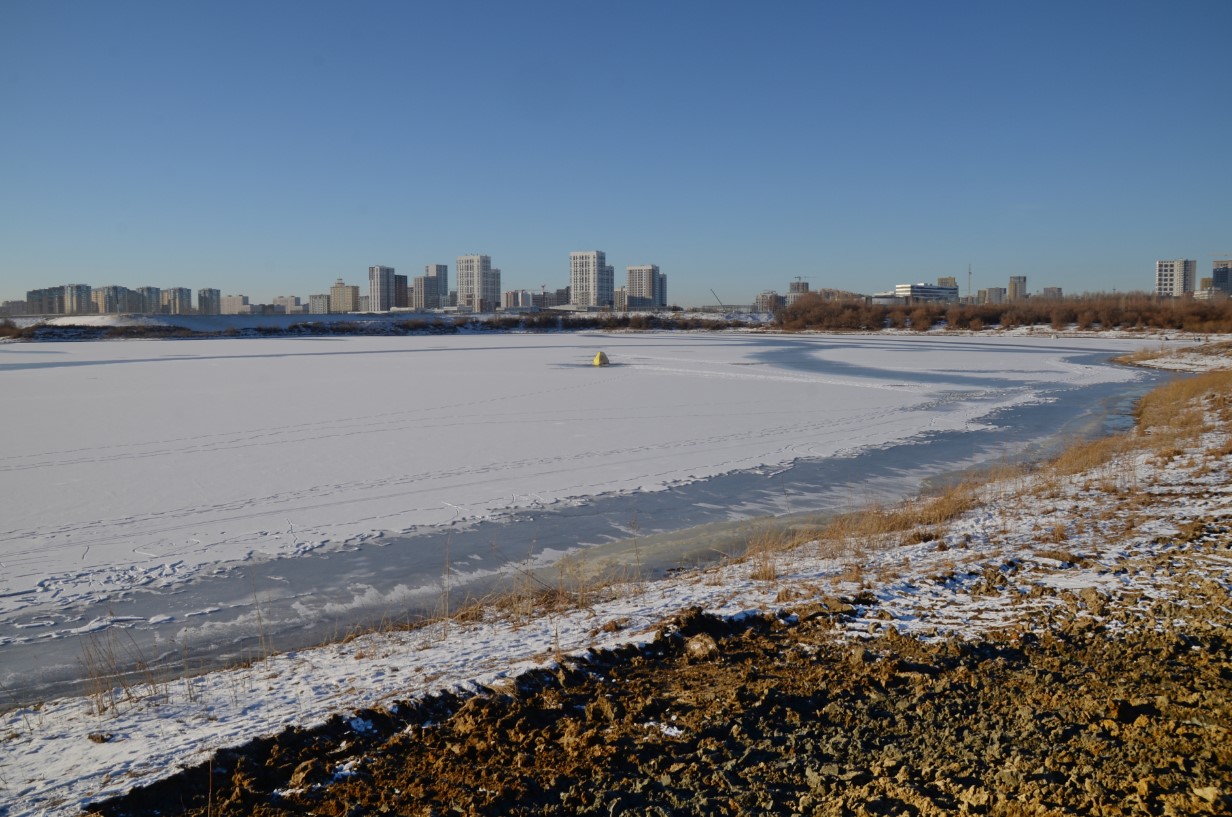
151	462
141	464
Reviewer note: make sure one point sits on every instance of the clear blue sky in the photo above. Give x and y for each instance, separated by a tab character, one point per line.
267	148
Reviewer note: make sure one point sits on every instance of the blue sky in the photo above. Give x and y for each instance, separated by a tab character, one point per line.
268	148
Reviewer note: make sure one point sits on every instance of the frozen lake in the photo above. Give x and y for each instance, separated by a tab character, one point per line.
178	500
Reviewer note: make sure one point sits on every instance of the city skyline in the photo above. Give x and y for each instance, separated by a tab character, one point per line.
591	286
845	143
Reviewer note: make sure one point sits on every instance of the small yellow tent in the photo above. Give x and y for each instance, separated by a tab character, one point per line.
601	359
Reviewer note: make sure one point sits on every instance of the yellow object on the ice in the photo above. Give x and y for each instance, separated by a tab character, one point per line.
601	359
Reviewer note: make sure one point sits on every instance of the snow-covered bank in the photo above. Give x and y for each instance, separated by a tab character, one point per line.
1024	537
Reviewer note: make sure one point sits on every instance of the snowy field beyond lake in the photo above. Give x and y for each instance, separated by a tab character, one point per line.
131	471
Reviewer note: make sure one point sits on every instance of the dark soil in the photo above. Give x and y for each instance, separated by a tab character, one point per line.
1119	714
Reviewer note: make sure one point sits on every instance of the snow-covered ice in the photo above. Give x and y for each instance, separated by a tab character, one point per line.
138	464
148	463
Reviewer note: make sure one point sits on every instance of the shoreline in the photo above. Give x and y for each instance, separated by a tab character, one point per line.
419	657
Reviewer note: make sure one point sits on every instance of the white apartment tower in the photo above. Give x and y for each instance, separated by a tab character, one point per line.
478	283
591	279
1176	277
381	291
647	287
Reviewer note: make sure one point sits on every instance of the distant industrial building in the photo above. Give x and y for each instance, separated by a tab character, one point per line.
1176	277
926	293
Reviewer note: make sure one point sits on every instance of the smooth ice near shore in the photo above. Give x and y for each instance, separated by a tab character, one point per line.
139	464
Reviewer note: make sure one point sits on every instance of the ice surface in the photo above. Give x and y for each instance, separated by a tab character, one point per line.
151	462
141	463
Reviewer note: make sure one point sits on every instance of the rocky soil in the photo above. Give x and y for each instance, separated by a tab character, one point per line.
1101	703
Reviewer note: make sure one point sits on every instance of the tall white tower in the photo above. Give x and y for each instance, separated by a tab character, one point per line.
647	287
478	283
381	292
591	279
1176	277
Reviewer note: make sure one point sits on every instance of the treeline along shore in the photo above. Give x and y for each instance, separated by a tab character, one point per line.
1136	312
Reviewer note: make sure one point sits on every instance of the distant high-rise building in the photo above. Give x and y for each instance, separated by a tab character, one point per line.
1176	277
431	290
114	300
209	302
77	299
365	303
103	300
1017	290
620	299
318	304
992	295
402	292
177	301
768	301
343	297
478	283
1221	275
49	301
380	289
235	305
591	280
1051	292
151	299
796	290
290	304
948	281
647	288
516	299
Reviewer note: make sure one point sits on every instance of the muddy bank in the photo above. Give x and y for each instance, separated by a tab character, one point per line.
1104	703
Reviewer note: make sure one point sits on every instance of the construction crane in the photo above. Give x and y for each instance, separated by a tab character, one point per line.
716	297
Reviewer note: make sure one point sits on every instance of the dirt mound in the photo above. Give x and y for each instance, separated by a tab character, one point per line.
779	715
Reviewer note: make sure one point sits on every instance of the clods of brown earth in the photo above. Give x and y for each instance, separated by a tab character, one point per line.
1123	712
